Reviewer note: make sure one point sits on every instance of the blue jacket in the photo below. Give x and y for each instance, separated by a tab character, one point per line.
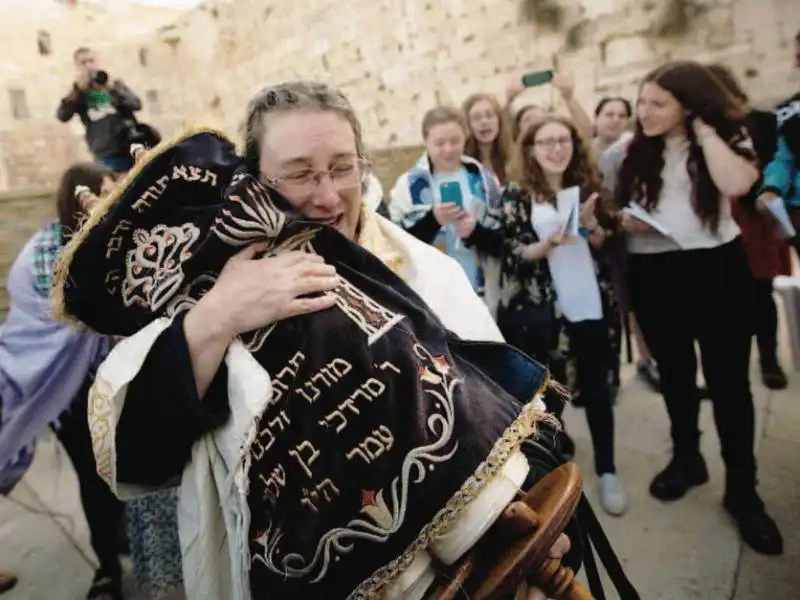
782	174
411	204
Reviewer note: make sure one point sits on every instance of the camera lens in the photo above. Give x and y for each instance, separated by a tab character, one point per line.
99	77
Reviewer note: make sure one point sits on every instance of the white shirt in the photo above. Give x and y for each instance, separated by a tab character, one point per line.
675	211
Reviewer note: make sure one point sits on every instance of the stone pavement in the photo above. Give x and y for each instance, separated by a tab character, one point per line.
683	551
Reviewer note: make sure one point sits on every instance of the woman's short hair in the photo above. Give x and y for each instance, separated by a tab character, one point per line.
441	115
293	95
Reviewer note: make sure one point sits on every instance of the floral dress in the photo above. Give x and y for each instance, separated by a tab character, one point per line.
527	293
155	548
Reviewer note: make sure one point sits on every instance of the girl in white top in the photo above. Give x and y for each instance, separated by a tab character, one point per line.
691	282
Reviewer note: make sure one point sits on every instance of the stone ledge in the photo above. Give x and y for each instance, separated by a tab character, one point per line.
15	195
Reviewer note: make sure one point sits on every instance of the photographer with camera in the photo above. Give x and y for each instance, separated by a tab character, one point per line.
106	107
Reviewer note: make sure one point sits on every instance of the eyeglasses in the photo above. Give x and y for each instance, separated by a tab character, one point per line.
550	143
304	183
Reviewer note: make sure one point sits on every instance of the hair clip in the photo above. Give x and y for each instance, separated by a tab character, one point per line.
80	190
136	149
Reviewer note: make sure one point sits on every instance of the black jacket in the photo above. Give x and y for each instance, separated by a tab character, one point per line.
106	121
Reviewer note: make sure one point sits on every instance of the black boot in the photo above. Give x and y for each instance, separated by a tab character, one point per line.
756	527
684	472
772	375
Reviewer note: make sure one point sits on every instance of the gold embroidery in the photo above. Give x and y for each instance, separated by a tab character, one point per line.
101	409
385	509
373	239
60	277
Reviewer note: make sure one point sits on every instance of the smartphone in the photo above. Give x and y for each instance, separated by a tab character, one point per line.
450	192
537	78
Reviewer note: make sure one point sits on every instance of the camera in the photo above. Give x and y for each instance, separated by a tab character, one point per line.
99	77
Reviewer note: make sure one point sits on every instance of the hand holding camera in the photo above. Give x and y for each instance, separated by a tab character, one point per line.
95	78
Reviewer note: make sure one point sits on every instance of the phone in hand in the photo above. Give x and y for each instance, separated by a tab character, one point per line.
537	78
450	193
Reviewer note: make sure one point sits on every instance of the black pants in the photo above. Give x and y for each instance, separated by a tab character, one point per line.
765	322
590	348
703	296
103	510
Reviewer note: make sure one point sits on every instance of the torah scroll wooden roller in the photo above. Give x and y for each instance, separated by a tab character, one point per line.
516	549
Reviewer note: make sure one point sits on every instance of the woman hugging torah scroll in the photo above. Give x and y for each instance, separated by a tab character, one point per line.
335	403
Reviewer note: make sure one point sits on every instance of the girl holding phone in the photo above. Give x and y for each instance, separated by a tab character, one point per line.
445	191
690	154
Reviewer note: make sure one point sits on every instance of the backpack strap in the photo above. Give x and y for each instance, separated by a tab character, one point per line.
595	540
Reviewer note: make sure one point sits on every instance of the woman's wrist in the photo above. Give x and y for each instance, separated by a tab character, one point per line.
704	132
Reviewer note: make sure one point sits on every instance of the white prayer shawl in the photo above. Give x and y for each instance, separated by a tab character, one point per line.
212	512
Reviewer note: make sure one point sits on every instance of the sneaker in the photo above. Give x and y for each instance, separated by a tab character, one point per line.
773	376
756	527
679	477
612	496
648	372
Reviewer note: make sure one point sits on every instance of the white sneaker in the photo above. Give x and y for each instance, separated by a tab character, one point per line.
612	496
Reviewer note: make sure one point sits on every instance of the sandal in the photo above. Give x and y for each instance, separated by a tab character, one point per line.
105	586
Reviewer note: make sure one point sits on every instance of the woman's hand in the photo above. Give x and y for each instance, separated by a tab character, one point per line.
447	212
565	85
763	201
251	293
702	129
557	238
538	250
631	224
597	237
466	224
587	214
559	549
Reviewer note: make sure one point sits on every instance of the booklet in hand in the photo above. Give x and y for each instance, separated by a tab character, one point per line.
786	229
638	212
568	204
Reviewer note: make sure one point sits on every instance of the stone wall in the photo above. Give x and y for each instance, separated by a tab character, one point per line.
394	58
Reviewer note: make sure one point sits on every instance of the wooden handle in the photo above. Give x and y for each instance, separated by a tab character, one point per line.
516	549
558	582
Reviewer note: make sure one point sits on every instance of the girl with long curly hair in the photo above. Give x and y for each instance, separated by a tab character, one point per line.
690	154
488	137
549	308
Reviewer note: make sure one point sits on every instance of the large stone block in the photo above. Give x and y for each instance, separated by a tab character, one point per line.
628	52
